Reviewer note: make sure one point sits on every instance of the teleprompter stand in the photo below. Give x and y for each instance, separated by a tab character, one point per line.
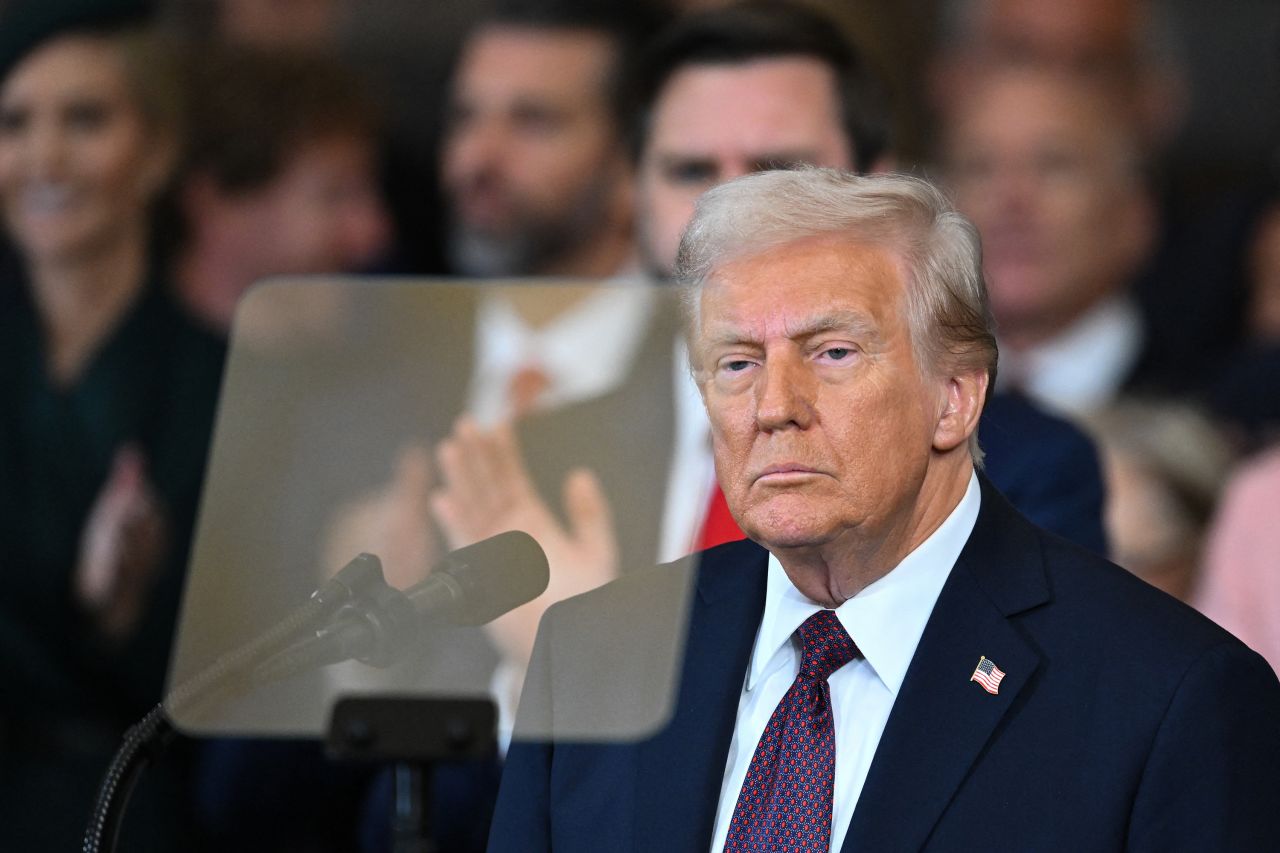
411	731
414	733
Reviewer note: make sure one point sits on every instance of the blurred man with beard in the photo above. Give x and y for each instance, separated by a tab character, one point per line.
536	176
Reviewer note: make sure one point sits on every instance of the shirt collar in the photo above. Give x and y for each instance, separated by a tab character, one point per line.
1082	367
610	324
885	620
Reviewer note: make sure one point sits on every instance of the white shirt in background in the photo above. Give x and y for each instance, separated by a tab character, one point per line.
585	352
1083	368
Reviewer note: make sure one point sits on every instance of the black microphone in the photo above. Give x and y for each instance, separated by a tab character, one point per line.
477	584
471	586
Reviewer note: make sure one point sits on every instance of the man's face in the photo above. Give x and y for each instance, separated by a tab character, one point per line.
715	122
325	208
823	423
532	159
323	213
1044	170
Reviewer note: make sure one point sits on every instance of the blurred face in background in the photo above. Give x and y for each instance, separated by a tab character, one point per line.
533	164
79	163
322	213
1043	164
715	122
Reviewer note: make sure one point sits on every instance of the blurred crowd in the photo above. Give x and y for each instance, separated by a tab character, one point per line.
1120	158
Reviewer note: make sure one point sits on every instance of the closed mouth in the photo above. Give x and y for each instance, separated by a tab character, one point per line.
786	471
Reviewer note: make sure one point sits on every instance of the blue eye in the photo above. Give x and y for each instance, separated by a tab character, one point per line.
838	353
736	366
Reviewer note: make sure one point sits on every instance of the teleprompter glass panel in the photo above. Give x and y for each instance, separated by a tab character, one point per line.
406	419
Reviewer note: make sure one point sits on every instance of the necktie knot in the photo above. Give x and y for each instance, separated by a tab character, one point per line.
824	646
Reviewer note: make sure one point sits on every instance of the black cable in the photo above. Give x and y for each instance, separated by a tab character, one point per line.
140	744
223	678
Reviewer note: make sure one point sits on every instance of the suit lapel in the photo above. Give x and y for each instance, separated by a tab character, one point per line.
941	721
689	755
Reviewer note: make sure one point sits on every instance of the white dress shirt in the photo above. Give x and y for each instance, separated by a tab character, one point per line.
585	352
885	621
1084	367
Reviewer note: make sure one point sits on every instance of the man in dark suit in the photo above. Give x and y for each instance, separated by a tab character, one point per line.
906	663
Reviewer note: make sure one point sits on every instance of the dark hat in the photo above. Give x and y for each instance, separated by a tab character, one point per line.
27	24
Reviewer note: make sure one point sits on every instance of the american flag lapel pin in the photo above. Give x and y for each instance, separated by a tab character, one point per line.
988	675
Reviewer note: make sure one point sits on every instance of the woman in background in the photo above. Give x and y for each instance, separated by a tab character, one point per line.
107	397
1240	583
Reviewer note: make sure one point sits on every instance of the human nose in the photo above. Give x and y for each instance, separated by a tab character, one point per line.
475	146
1013	186
784	395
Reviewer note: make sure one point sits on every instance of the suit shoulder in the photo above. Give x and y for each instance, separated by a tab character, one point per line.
714	570
655	585
1009	419
1116	610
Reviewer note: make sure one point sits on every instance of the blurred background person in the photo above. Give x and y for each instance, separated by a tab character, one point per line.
1239	587
533	164
280	178
1048	165
401	51
1173	68
1127	41
536	181
109	393
1165	464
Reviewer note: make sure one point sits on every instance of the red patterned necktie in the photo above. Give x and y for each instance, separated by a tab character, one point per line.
785	804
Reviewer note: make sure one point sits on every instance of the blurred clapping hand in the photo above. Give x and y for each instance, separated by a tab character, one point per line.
481	487
487	490
122	547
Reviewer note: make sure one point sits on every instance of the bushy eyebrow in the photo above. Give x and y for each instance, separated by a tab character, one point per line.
855	324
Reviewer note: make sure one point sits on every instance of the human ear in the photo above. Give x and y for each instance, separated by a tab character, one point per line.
963	398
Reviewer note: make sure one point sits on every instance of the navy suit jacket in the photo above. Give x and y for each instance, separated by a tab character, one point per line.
1047	468
1126	721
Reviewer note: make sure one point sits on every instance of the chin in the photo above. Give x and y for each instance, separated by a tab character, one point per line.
777	527
56	240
